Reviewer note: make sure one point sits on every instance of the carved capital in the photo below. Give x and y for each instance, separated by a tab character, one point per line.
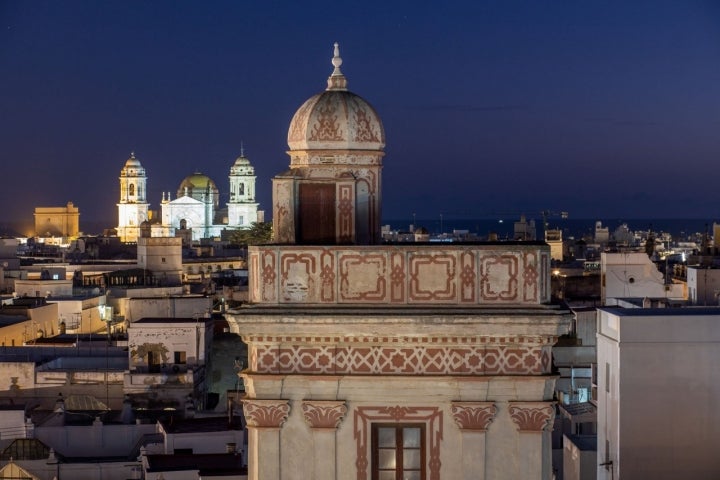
265	413
473	415
323	414
532	416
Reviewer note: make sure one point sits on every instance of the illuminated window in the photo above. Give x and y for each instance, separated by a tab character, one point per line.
180	357
132	189
398	451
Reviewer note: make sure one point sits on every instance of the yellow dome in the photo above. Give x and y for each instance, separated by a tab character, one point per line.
198	186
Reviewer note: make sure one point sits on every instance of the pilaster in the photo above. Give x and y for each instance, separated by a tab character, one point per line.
473	420
264	419
324	417
533	421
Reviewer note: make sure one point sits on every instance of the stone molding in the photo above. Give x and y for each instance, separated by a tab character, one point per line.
473	416
323	413
265	413
532	416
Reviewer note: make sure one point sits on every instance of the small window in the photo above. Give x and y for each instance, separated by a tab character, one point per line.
163	260
180	357
607	377
398	452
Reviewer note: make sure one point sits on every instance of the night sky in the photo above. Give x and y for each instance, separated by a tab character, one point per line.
599	108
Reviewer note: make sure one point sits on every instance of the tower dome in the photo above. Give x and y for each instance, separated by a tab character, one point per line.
336	119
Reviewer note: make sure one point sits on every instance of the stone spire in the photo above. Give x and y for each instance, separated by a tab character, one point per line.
337	80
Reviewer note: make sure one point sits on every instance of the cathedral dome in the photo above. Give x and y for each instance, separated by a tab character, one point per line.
199	186
336	119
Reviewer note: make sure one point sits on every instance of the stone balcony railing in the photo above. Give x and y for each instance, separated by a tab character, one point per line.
504	273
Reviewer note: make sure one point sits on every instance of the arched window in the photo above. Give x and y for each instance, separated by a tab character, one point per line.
132	189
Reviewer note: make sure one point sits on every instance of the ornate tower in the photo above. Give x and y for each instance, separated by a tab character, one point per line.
133	206
331	194
242	209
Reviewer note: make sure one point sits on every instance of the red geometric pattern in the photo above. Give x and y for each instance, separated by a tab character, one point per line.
532	416
365	132
473	415
481	358
326	126
323	414
360	264
327	276
432	277
363	417
303	267
265	413
530	277
467	277
345	218
459	275
491	269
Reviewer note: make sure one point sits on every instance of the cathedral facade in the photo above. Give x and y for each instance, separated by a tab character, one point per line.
370	361
196	207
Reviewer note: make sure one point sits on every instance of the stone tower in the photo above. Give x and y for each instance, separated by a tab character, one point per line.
133	206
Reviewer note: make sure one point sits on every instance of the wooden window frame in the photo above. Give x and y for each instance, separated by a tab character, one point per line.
398	448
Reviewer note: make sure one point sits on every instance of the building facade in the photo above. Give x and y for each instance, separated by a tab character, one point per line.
57	221
419	361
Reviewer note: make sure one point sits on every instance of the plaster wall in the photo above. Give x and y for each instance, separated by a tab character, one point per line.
170	306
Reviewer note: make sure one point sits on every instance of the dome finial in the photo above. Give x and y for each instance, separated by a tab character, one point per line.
242	149
337	80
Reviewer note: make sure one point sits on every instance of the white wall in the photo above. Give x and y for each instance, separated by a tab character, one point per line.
661	415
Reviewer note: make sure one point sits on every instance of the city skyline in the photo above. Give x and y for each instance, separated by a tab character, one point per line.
599	109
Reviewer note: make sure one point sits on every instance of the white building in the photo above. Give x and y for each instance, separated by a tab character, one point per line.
196	207
703	286
168	359
634	275
658	387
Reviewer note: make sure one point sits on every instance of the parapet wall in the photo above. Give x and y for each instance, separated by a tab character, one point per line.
455	274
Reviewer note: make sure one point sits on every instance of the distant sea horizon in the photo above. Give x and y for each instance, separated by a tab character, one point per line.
679	228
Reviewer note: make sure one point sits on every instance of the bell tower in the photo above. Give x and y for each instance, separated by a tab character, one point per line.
242	208
133	206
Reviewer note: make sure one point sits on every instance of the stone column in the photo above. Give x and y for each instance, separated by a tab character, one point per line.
324	418
473	419
264	419
533	420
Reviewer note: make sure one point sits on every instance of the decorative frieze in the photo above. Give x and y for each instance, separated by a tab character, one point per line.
475	416
415	359
405	275
323	413
265	413
532	416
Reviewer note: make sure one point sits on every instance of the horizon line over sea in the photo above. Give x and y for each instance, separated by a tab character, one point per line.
679	228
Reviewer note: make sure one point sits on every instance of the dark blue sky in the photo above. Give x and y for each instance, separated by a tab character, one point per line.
600	108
